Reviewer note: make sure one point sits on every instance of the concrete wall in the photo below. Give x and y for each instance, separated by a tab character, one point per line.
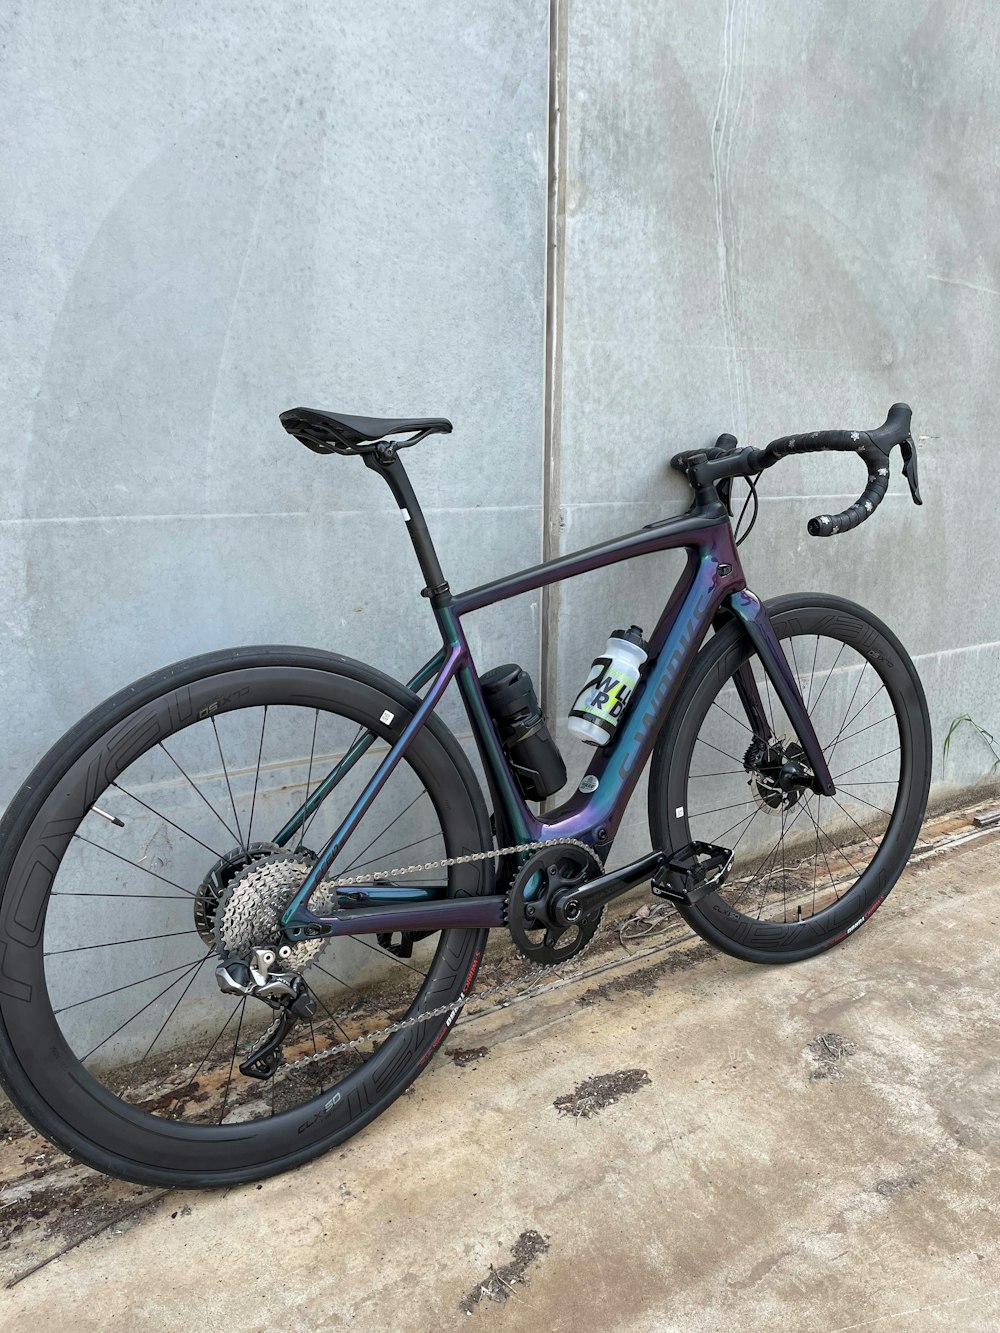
780	217
213	219
769	217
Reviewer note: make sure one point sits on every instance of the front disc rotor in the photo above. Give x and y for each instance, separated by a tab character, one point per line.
542	876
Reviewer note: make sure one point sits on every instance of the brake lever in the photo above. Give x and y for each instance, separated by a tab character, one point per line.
909	451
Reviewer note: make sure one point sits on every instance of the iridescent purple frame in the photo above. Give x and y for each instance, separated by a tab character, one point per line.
711	588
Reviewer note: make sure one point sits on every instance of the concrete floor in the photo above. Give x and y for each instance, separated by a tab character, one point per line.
816	1148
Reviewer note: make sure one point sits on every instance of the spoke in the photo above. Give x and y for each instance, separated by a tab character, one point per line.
86	893
784	878
700	740
383	953
840	734
340	1028
829	674
384	856
319	1079
739	723
135	864
740	838
728	773
795	662
855	797
838	776
767	691
747	819
256	779
771	857
232	1062
700	814
812	672
854	821
118	787
767	861
197	790
190	982
218	1038
111	944
225	773
421	792
129	984
891	717
847	711
839	850
158	996
365	999
833	882
309	775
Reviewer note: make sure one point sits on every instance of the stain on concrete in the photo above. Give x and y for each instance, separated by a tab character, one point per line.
499	1283
829	1050
644	981
887	1188
603	1090
468	1055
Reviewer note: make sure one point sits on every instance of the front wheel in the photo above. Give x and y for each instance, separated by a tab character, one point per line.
808	869
143	846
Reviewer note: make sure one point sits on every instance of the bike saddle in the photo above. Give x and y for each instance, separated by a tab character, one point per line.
334	433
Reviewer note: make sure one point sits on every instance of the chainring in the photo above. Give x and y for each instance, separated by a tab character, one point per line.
544	874
249	913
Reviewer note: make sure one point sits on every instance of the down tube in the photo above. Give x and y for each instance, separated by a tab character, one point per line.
621	765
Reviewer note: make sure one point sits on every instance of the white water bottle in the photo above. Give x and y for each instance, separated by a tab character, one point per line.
604	698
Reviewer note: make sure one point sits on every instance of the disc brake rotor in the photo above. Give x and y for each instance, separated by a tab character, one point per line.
543	875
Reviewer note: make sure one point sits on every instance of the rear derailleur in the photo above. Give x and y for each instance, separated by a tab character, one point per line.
285	992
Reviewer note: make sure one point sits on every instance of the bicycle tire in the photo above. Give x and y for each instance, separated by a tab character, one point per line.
39	1071
763	940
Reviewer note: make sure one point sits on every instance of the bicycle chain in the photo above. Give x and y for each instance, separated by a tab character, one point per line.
528	982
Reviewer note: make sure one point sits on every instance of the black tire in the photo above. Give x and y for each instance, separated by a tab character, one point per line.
726	918
38	1069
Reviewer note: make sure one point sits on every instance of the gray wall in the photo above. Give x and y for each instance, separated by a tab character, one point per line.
781	217
216	218
770	216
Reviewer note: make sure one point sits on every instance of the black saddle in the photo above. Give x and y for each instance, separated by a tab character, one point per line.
333	433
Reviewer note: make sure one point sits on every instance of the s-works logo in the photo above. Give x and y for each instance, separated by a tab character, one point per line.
665	684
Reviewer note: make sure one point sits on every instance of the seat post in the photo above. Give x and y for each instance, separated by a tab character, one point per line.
384	460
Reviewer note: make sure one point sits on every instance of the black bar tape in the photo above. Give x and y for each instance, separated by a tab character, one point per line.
873	446
827	525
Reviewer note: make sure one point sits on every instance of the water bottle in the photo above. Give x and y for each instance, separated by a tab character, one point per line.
603	700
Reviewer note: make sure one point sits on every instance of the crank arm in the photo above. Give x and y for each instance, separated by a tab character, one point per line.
572	904
482	913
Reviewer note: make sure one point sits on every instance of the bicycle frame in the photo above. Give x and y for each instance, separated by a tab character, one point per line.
710	589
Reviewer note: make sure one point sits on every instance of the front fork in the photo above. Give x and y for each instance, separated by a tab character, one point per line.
750	612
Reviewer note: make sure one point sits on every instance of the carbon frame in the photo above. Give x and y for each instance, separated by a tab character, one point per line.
710	589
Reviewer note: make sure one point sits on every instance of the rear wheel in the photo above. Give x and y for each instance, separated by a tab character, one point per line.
808	869
146	835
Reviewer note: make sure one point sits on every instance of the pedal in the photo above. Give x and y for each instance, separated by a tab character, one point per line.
693	872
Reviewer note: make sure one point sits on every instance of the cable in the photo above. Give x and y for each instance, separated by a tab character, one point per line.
751	495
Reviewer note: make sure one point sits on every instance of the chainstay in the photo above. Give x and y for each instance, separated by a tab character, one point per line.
527	983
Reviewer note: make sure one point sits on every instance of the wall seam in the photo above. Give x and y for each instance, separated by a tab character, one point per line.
554	289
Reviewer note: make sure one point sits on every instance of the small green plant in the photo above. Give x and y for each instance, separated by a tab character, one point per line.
966	720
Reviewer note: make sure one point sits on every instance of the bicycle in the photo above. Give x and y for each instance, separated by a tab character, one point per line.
145	933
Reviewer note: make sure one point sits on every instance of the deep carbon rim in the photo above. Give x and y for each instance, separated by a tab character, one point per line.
56	1084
